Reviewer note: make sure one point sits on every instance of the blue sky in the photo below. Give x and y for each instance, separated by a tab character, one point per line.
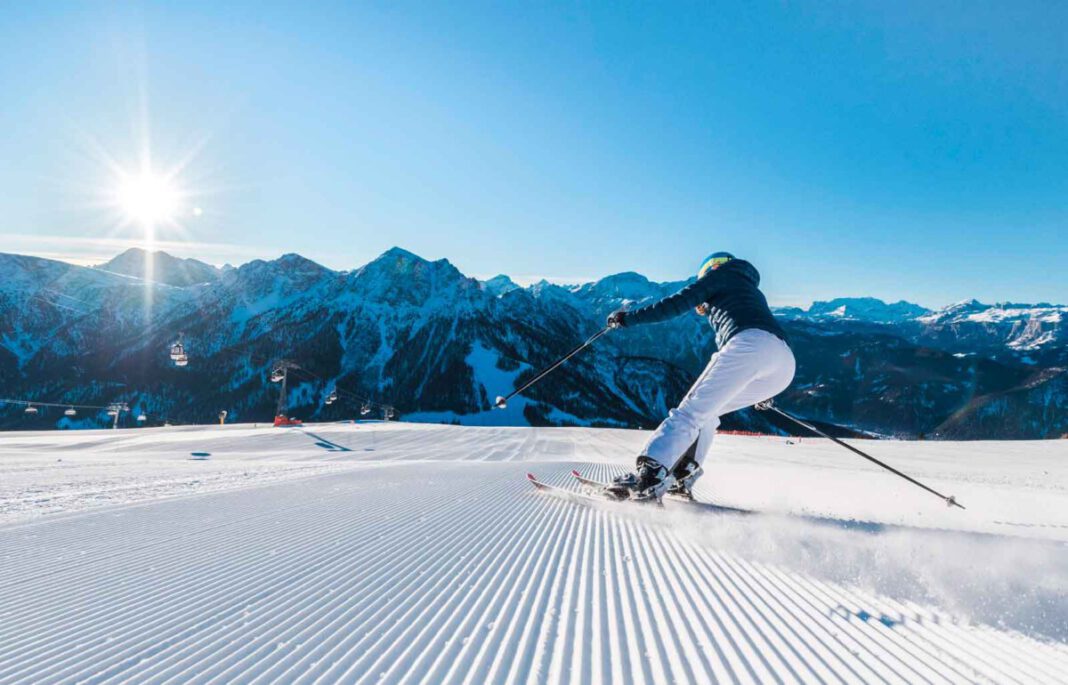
899	150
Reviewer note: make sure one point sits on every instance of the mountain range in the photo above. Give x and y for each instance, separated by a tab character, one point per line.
439	346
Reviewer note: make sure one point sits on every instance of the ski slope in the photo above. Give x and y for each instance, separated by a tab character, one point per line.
394	553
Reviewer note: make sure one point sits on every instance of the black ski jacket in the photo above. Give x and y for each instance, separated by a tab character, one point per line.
734	303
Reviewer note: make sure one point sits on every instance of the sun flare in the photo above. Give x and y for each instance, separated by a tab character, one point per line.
148	198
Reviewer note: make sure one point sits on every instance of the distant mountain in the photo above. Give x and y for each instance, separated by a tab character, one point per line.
856	309
499	285
1032	334
623	289
161	267
867	309
439	346
1035	335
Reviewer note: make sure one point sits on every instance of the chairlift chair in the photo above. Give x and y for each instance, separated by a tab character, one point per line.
31	409
70	411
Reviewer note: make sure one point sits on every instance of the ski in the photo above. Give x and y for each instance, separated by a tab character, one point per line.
591	494
595	496
588	482
600	485
573	495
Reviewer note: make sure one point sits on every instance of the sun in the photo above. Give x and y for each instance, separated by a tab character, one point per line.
148	198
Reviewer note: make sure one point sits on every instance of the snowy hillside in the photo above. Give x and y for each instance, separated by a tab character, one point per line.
414	553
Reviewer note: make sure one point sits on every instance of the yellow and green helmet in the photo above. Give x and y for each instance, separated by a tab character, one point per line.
713	262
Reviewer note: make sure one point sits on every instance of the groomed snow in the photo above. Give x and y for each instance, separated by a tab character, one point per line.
69	471
405	553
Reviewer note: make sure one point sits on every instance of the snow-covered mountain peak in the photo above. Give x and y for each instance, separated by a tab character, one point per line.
278	279
399	255
294	263
977	312
286	265
499	285
622	287
399	276
955	310
1032	333
396	261
160	267
545	289
868	309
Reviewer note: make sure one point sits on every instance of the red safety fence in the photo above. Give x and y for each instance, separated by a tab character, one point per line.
754	434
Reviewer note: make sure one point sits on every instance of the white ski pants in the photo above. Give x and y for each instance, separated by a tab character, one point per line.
753	366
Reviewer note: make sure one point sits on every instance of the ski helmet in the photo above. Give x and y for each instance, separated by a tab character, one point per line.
713	262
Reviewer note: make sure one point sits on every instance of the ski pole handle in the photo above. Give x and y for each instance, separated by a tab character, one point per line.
502	402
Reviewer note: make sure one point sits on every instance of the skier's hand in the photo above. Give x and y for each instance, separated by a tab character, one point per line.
617	319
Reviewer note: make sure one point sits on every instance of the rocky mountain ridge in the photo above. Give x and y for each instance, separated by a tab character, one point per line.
439	346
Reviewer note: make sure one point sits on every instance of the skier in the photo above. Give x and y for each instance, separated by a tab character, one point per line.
753	363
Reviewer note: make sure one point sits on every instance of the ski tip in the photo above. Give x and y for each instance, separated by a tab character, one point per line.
538	485
575	473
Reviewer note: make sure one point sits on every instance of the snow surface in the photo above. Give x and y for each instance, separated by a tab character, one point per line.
401	552
492	382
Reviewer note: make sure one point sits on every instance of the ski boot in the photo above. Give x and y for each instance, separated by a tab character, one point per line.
685	473
647	483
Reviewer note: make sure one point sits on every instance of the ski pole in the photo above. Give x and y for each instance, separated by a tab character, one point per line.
502	402
950	501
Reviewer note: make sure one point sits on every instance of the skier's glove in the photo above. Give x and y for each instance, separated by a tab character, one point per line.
617	319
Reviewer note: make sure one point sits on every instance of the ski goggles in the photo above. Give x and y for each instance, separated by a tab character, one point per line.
711	264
